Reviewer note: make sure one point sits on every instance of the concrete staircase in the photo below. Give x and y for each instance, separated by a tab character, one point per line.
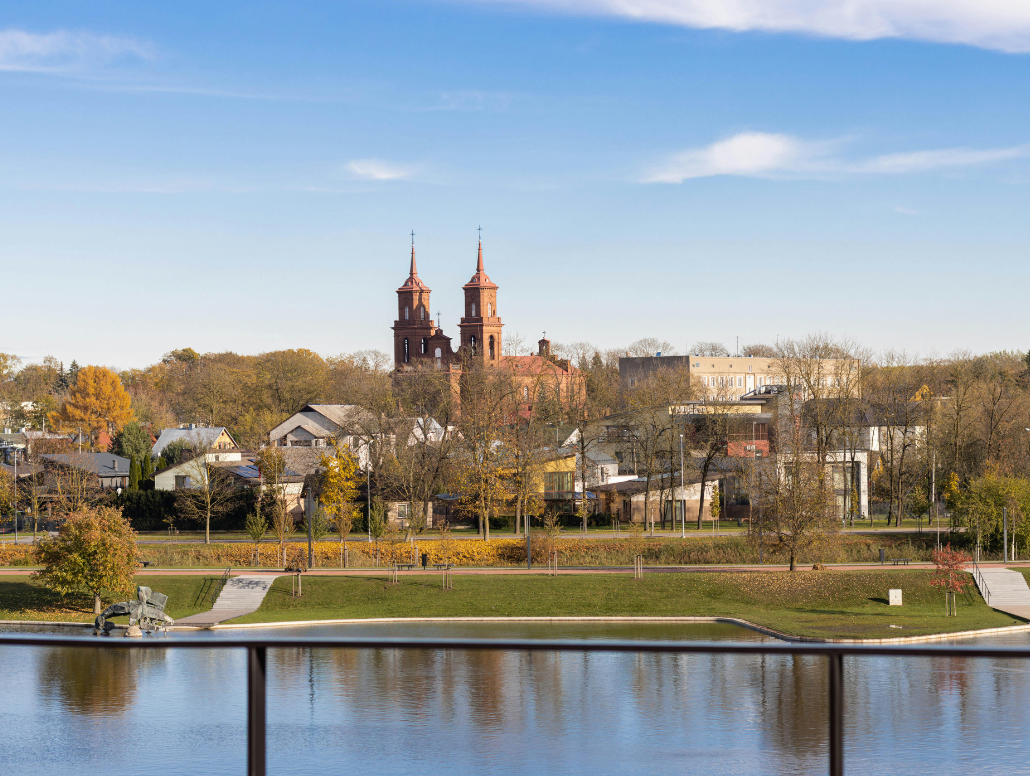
240	595
1004	589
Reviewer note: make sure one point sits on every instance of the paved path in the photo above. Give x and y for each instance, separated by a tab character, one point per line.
1005	590
241	595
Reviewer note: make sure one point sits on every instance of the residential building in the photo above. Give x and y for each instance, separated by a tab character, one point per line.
110	471
196	437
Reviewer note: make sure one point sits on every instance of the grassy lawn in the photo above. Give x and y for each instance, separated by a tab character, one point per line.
1022	570
829	604
20	599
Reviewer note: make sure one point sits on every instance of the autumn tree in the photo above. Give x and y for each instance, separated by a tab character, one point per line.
340	491
96	402
208	495
798	505
949	574
273	468
94	552
479	454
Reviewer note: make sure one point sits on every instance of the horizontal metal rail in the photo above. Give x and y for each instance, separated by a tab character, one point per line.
256	666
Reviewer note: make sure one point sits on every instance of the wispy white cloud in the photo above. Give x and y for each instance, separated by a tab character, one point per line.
919	161
379	170
66	51
764	155
1002	25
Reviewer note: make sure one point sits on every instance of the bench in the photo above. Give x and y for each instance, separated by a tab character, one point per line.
443	566
897	561
406	566
145	563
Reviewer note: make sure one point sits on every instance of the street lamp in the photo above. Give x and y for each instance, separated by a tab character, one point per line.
680	500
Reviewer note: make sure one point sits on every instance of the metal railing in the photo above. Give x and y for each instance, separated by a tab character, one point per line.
983	588
256	665
216	589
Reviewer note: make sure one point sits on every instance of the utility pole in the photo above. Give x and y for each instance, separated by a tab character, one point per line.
680	500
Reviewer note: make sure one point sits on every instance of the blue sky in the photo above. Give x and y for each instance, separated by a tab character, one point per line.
245	176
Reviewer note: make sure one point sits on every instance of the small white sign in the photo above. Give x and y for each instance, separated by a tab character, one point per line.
895	598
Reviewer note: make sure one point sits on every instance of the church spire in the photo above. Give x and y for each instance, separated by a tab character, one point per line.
480	278
413	276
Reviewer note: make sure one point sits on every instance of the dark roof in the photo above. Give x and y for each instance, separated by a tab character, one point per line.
101	464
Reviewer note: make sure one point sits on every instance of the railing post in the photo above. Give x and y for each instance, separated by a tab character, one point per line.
256	711
835	731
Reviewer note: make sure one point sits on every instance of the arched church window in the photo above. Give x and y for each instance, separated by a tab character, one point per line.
424	347
526	393
422	313
437	353
406	350
489	309
490	347
406	312
473	342
474	307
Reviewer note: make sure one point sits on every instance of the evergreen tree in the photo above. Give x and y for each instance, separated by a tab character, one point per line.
132	442
134	475
147	470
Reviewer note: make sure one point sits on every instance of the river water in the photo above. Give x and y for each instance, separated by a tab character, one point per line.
402	712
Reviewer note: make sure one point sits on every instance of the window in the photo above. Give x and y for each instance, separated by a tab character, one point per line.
403	511
750	368
182	482
424	347
739	381
489	310
473	342
558	482
474	307
437	352
422	313
406	354
526	393
490	347
406	312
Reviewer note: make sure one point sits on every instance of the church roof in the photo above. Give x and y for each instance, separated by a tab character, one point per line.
413	283
535	365
480	278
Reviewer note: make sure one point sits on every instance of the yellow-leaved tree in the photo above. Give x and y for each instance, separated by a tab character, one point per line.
340	490
96	402
93	552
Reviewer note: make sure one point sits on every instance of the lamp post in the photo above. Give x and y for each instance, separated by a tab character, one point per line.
680	500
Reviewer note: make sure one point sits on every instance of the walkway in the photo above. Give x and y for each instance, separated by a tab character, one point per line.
241	595
1005	590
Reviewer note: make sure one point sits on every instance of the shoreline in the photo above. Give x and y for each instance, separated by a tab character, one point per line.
761	629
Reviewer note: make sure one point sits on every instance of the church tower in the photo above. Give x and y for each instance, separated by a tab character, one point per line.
480	327
414	327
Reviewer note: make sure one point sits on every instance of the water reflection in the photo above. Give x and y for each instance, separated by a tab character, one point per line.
399	711
93	683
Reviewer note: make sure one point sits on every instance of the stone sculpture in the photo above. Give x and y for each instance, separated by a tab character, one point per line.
146	613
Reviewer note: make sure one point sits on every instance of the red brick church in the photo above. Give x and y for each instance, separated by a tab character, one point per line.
421	345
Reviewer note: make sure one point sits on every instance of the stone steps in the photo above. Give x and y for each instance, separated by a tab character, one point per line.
240	596
1004	587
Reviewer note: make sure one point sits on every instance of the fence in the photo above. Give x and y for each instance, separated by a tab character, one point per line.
256	654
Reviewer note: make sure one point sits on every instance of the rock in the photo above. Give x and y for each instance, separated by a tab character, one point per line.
134	632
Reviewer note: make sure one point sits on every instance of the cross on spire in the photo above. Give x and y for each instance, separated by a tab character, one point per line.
413	238
478	234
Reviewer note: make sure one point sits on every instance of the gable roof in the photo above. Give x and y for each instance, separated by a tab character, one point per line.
101	464
204	435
